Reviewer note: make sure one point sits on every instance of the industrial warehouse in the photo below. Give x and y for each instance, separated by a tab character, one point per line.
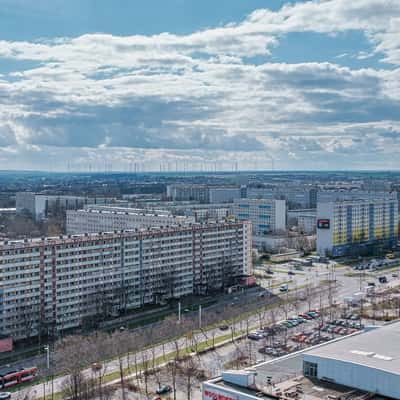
360	366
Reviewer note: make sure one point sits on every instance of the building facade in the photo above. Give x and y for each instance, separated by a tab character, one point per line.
325	196
203	193
266	215
305	220
188	192
295	196
224	194
356	227
92	220
40	206
53	284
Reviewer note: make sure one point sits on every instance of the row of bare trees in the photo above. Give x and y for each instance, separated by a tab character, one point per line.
134	354
82	360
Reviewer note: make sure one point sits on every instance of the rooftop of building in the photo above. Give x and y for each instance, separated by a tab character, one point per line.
11	244
127	211
376	348
283	378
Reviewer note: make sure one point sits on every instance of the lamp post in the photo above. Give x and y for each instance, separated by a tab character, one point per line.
47	349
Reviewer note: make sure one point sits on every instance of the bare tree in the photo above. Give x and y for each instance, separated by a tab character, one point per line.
189	368
72	355
120	343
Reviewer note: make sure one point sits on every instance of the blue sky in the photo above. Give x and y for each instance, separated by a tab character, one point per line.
311	85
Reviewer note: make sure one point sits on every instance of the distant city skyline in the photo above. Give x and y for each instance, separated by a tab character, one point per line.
183	85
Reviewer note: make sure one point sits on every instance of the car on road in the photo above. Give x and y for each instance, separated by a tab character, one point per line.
223	327
291	273
164	389
5	395
284	288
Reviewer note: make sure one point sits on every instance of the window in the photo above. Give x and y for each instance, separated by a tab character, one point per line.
310	369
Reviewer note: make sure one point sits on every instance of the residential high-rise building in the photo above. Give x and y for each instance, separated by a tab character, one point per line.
53	284
354	227
266	215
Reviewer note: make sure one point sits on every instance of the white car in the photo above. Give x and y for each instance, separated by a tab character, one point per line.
284	288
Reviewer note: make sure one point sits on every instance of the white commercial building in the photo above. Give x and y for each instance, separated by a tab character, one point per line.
107	219
364	365
266	215
53	284
356	227
369	361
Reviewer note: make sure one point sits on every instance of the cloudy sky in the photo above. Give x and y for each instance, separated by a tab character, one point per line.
189	83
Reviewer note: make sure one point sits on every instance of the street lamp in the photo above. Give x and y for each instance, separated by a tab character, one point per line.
47	349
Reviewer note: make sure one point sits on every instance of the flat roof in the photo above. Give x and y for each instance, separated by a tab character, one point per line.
6	244
287	380
377	348
119	211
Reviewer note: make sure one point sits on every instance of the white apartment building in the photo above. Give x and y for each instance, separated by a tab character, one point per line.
266	215
107	219
52	284
356	227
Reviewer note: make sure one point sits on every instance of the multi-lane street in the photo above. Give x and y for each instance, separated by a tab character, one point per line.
344	284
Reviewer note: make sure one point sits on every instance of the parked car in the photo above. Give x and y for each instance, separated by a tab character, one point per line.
254	336
5	395
164	389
